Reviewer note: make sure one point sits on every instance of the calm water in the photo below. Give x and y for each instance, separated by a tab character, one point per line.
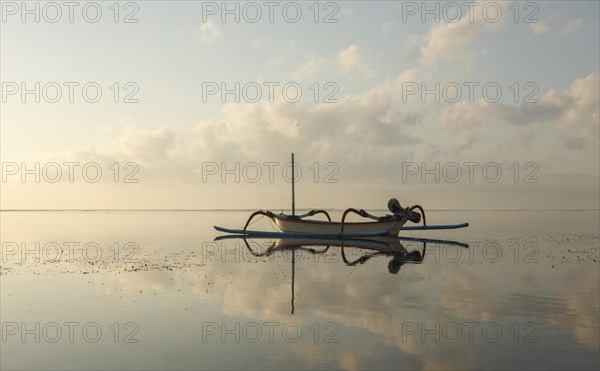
152	290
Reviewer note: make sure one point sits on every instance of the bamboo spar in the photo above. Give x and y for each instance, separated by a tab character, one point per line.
293	195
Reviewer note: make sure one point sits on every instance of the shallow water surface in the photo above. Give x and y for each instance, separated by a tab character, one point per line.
153	290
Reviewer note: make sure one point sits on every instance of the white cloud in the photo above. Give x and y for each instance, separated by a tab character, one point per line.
210	32
571	26
387	26
577	111
573	112
358	128
370	129
574	25
352	59
361	120
539	27
464	121
312	67
259	41
348	60
274	61
451	41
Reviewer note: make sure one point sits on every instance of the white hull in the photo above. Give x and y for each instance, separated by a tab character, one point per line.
318	226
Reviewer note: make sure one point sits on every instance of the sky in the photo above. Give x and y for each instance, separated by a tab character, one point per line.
198	105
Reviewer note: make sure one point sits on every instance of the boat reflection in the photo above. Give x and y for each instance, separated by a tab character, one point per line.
383	246
372	247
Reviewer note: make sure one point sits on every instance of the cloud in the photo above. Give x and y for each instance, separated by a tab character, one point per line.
210	32
148	148
539	27
348	60
577	111
312	67
352	59
274	61
574	113
259	41
359	128
387	26
464	121
573	25
366	120
555	22
451	41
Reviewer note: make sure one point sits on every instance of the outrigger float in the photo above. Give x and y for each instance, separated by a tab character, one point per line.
299	226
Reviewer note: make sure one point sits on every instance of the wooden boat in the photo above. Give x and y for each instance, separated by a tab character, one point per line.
387	225
300	226
288	223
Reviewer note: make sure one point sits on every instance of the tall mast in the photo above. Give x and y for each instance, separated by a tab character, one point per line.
293	194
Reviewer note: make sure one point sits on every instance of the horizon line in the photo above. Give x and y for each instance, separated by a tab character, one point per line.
244	209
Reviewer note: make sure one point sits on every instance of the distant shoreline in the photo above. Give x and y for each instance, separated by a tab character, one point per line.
276	209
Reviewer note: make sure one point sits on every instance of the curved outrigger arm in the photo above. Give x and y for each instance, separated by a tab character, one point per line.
409	214
315	212
259	212
362	213
419	216
272	215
